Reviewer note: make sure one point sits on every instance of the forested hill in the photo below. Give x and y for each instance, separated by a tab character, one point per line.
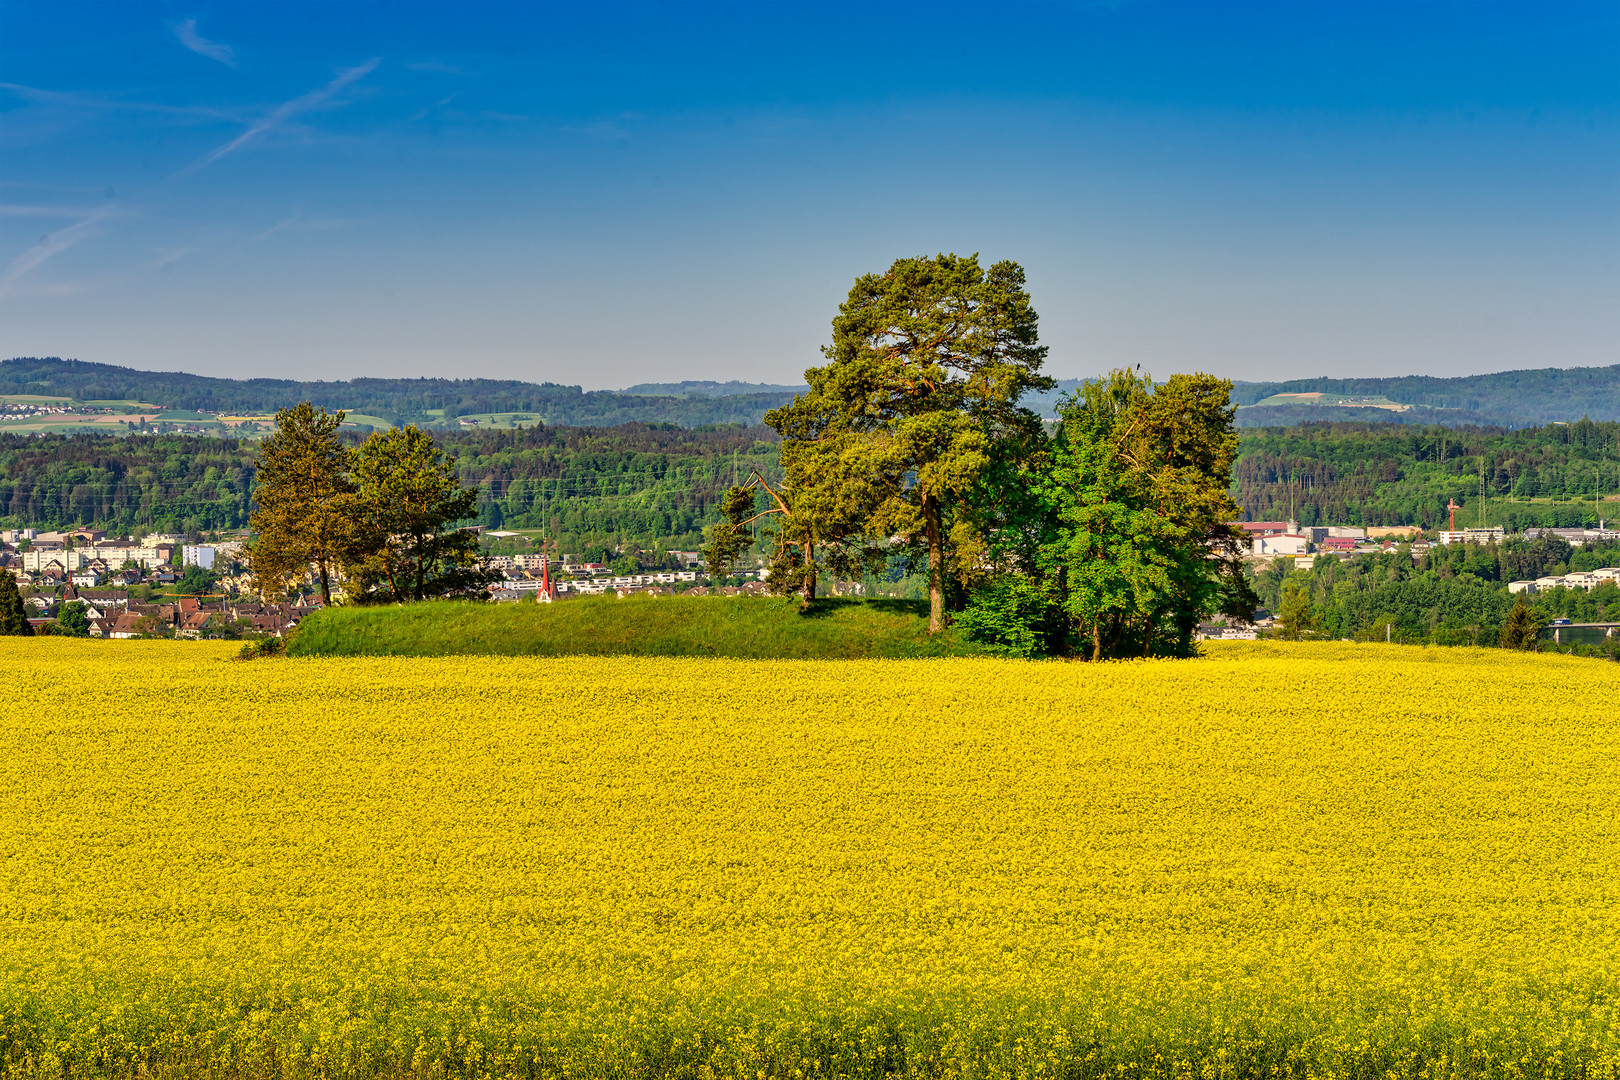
1510	399
662	482
1382	474
638	481
1506	399
424	402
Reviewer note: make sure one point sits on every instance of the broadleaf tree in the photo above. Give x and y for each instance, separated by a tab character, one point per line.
1143	543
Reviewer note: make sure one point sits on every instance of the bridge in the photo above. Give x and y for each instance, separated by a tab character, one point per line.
1590	630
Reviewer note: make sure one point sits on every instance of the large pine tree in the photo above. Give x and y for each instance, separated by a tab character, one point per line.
927	364
303	504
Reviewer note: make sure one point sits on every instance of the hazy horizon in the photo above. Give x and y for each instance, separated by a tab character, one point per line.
607	195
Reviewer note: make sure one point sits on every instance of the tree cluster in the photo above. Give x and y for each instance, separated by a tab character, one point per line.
380	517
1111	534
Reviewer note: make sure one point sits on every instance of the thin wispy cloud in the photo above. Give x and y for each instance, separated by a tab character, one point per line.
167	257
19	210
186	32
55	243
37	96
437	105
286	223
283	113
52	244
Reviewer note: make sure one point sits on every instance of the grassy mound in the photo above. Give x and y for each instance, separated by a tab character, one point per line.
756	628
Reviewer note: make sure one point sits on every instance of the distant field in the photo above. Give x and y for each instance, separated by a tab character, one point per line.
1332	400
35	399
756	627
354	418
503	420
1326	861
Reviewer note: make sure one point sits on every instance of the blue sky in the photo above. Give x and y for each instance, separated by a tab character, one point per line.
604	194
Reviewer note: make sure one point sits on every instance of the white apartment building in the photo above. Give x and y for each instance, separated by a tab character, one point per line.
35	561
202	555
1494	534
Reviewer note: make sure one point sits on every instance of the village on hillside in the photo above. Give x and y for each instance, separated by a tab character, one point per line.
195	588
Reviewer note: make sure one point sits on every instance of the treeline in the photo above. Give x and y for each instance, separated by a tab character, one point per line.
172	482
1454	595
423	402
1378	474
662	483
1507	399
652	483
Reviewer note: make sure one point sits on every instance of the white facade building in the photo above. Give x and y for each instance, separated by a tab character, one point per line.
1284	544
198	555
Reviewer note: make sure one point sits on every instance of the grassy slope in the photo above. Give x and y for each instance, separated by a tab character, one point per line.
641	626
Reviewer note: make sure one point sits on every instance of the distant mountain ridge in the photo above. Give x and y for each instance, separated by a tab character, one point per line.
1511	399
1503	399
425	402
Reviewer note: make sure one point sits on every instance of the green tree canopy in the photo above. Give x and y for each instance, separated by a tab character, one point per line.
927	364
404	545
1522	629
74	619
1297	619
1143	541
303	502
13	616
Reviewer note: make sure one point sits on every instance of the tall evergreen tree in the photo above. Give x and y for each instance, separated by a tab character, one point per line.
13	615
1297	619
1522	630
925	371
303	503
407	500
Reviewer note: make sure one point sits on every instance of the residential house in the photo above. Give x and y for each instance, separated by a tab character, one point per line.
193	625
128	625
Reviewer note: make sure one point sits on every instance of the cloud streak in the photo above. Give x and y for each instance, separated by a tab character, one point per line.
281	114
59	241
187	34
51	245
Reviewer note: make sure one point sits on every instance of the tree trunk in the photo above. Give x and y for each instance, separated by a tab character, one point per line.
1147	638
326	583
936	565
809	587
1096	640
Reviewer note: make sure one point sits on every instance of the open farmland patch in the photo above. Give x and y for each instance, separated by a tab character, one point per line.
1317	860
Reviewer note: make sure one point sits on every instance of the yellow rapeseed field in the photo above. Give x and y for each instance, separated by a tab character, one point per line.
1319	860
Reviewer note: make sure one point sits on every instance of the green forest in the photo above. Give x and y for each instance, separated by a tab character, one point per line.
661	483
1453	595
1387	474
643	482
